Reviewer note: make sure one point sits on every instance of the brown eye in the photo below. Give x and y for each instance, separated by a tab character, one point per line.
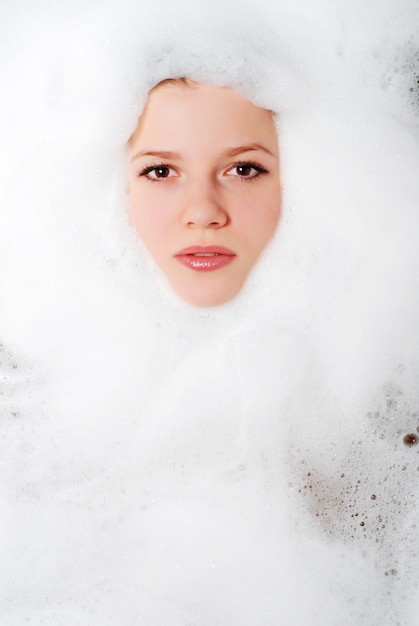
157	172
244	170
161	172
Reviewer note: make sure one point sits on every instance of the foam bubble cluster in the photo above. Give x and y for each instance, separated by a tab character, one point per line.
255	463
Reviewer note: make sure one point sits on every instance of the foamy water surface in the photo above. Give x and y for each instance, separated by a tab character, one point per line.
250	464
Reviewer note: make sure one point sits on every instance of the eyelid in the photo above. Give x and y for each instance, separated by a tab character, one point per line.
145	171
260	169
174	172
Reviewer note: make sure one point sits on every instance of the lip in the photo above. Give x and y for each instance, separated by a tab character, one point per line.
205	258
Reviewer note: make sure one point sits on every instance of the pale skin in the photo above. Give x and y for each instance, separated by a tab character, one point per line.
204	187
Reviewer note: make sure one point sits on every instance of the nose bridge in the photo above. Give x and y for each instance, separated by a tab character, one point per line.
202	204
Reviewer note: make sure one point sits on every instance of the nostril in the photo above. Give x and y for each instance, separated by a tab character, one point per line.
204	215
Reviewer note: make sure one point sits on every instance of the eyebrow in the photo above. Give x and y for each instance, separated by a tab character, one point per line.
248	148
230	152
157	153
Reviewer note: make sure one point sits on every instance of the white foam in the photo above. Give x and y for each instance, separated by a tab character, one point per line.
163	464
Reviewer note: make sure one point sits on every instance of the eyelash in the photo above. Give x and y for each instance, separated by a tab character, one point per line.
151	168
247	179
256	166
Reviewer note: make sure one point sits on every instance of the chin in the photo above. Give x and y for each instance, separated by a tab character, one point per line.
208	296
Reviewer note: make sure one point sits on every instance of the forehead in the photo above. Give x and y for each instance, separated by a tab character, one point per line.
202	114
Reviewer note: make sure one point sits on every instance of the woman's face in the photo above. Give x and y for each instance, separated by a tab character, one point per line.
204	188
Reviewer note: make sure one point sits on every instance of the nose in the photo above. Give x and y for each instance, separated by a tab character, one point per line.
202	207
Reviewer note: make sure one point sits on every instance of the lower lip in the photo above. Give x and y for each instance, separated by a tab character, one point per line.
205	263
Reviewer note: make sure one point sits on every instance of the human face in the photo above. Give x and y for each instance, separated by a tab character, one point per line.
204	188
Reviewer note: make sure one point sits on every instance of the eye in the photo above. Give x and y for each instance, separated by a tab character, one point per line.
246	170
157	172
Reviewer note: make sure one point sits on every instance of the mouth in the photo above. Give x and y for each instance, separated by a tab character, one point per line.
205	258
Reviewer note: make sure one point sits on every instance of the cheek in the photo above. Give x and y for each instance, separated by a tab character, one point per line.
150	221
259	221
270	212
141	214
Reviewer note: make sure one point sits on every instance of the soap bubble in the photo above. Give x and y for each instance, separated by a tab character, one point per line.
244	464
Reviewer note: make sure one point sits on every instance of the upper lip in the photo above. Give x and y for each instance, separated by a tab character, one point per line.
205	250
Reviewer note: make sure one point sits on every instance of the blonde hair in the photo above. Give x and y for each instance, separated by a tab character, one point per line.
182	81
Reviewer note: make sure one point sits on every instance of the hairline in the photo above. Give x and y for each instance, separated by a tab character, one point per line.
185	81
189	83
181	81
